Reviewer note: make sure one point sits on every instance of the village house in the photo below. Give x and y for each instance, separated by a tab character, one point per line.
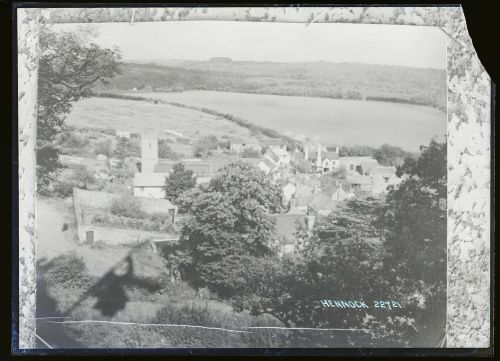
361	165
123	134
321	158
150	180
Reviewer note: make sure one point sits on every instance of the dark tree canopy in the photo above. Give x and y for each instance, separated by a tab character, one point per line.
229	222
179	181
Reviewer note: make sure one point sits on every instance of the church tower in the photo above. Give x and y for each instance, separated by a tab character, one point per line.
149	151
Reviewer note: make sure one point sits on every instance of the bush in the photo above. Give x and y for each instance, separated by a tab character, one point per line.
127	206
104	147
204	145
165	151
75	140
63	189
67	270
250	153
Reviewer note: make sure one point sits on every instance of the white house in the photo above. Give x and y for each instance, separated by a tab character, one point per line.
150	185
122	134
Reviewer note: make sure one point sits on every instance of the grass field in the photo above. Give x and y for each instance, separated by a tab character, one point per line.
335	121
138	116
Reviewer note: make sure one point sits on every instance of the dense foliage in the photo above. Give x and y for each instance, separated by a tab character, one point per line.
227	227
178	181
318	79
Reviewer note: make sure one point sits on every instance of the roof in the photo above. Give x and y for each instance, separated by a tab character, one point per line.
286	225
199	167
267	162
358	160
358	179
330	155
273	156
280	152
322	202
383	170
149	179
324	155
368	166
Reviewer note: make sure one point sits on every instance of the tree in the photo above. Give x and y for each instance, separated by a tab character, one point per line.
69	66
415	218
127	148
47	165
228	226
179	181
165	151
389	155
342	260
250	153
204	145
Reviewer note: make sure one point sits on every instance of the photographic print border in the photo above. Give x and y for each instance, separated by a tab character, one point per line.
469	112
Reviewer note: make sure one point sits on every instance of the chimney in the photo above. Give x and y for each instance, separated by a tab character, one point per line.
306	151
337	150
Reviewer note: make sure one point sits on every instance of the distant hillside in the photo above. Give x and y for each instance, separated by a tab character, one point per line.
317	79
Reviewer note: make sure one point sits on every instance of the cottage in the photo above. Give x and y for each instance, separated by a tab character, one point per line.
121	134
361	165
150	185
360	183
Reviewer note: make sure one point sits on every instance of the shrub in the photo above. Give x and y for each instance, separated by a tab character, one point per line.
250	153
63	189
67	270
103	147
165	151
204	145
127	206
75	140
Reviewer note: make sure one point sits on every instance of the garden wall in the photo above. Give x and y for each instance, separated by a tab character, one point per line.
86	203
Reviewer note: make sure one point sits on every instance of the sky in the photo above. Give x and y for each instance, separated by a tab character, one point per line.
415	46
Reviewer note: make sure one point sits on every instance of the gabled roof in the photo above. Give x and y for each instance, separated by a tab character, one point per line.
269	163
199	167
368	166
383	170
358	179
150	179
330	155
272	156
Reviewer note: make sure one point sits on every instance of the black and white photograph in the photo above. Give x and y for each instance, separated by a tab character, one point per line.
241	184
